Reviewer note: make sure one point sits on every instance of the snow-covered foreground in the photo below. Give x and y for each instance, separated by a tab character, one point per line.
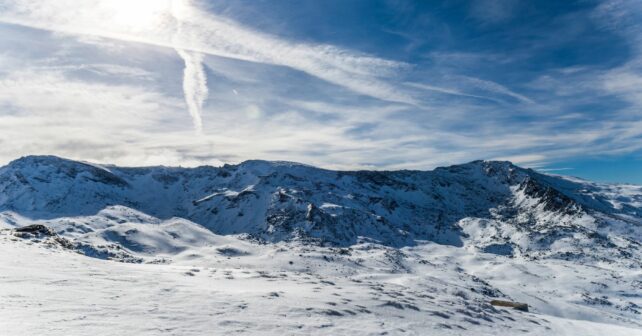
231	286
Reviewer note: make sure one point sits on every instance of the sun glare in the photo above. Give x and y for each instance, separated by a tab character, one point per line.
137	14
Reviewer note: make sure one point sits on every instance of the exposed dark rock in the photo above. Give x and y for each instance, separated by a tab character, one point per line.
36	229
510	304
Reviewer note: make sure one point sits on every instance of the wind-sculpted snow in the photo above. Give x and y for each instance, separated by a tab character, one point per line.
283	248
194	282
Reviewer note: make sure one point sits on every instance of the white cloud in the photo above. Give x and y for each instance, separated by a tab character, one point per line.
127	110
132	124
189	28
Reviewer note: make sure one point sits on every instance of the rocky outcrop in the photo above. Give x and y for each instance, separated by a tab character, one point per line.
509	304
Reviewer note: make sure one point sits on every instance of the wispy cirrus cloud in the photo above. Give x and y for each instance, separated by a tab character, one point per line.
492	87
101	81
192	29
447	90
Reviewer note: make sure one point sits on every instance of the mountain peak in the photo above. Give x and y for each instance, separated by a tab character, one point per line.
38	160
50	160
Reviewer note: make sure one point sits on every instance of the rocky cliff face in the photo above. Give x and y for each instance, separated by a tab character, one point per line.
496	207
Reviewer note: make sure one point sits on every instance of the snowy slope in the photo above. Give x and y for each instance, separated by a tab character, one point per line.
233	286
229	248
494	206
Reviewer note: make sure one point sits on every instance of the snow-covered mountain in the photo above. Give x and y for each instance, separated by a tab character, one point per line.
493	206
423	251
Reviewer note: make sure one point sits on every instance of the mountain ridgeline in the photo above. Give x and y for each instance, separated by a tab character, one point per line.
492	206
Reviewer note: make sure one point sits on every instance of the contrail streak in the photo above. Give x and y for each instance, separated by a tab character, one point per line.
194	77
194	85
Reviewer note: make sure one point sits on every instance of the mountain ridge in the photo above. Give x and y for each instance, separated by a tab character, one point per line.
489	205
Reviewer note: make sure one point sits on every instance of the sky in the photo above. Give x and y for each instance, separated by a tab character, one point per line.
357	84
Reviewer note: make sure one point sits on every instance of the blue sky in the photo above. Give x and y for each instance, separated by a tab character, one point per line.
553	85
